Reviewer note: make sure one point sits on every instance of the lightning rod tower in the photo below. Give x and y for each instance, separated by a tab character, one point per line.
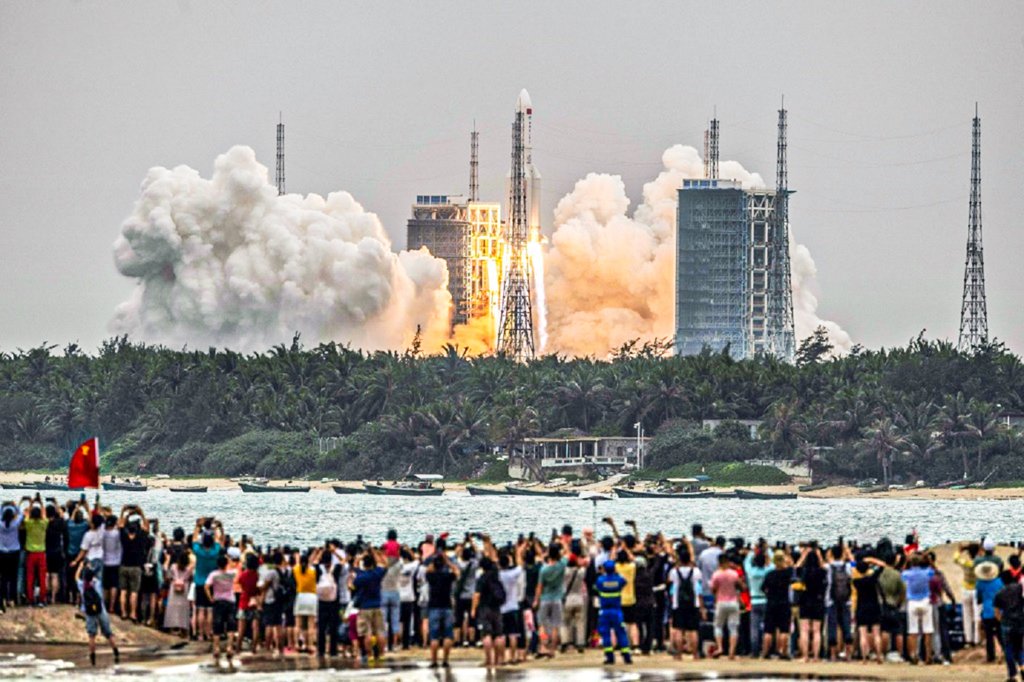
781	332
973	307
515	324
474	164
712	154
707	153
279	172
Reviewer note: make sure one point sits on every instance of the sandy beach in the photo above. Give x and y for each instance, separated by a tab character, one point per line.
839	491
56	634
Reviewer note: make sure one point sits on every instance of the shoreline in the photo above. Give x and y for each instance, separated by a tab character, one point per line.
831	492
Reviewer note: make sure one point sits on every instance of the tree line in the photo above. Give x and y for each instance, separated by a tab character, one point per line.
924	411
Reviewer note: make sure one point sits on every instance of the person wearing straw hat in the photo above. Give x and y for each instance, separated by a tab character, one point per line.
987	586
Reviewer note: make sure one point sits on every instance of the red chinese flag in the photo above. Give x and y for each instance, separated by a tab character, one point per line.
84	471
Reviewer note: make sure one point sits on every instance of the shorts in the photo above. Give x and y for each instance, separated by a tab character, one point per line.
224	618
488	622
463	610
686	618
110	576
202	601
812	611
512	623
919	617
629	613
727	614
271	616
100	623
305	604
288	613
550	615
129	578
442	624
370	622
55	563
247	615
149	584
892	620
778	618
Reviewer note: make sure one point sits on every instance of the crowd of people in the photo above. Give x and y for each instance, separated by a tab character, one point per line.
627	592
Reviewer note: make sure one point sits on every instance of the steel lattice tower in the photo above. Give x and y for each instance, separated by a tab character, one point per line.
973	308
712	151
515	325
474	164
781	334
279	173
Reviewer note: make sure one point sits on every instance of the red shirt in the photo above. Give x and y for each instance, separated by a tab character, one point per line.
247	581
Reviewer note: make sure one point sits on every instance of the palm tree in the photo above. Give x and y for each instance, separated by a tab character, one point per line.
883	440
983	423
784	427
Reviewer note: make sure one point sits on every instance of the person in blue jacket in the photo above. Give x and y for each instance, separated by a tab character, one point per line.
609	618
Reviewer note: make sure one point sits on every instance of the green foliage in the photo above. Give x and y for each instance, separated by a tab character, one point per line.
923	411
724	474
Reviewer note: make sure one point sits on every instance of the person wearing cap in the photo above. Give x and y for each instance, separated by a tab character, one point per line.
988	585
964	558
609	588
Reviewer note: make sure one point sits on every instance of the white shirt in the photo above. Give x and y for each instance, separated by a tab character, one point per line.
510	580
406	582
677	575
92	543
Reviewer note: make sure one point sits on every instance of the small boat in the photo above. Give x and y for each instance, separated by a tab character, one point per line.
724	495
812	488
129	486
684	495
540	492
477	490
189	489
259	488
345	490
752	495
874	489
417	485
37	485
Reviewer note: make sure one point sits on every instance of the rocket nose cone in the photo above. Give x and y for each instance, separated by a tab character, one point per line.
524	100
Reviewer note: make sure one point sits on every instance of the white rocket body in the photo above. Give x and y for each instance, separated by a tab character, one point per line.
533	179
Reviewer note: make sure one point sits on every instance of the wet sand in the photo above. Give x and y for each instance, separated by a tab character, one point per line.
467	665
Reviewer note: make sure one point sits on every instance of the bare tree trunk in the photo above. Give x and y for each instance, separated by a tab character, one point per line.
963	453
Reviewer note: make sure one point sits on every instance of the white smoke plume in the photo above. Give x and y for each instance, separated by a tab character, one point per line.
225	261
611	277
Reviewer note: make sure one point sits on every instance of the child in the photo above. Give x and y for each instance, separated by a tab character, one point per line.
96	617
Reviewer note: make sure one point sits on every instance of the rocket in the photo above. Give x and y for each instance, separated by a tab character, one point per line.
533	179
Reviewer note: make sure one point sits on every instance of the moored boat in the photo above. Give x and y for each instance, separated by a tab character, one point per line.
540	492
752	495
189	489
346	490
127	486
417	485
37	485
812	488
259	488
874	489
478	490
634	493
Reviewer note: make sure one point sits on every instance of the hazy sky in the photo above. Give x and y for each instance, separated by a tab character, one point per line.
379	98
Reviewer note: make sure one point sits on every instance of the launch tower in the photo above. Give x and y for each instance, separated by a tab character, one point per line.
515	325
279	171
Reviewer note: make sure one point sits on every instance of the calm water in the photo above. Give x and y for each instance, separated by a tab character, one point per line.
309	518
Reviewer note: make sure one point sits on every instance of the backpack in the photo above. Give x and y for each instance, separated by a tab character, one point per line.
326	587
91	599
496	590
840	584
686	595
284	593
